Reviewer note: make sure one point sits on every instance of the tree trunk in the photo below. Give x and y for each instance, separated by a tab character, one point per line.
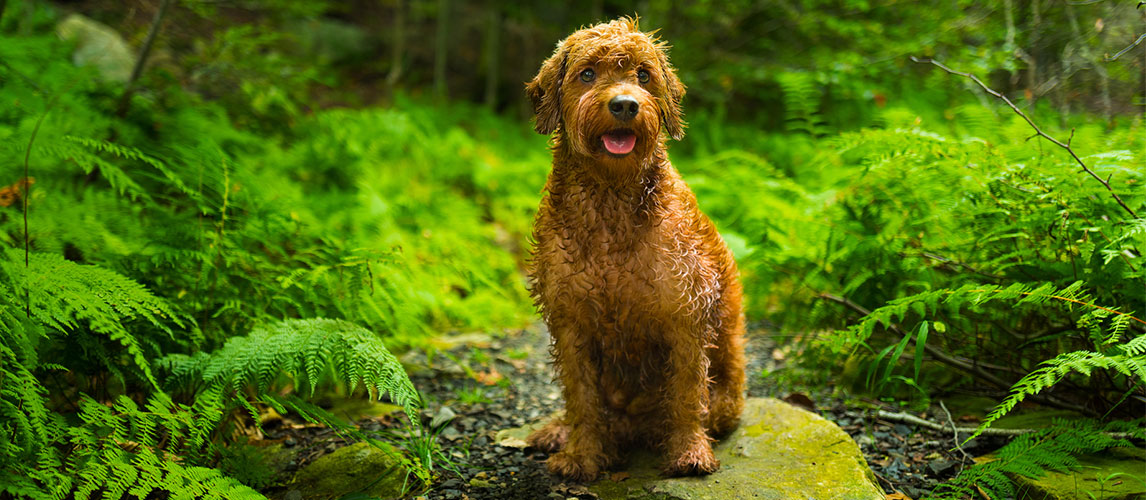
1033	50
441	49
397	44
125	100
492	55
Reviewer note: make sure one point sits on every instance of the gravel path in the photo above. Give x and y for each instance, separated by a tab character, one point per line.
903	458
478	388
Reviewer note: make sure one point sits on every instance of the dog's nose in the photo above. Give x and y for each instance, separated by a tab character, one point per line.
624	107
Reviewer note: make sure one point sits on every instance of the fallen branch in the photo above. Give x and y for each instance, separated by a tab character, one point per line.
1038	131
990	431
914	420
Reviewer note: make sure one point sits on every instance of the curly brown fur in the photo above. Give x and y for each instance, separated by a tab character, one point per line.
639	291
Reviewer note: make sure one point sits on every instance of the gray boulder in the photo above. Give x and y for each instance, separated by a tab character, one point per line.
98	45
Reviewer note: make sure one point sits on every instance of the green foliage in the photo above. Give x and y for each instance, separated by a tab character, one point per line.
1032	455
1053	371
131	448
306	350
195	244
65	297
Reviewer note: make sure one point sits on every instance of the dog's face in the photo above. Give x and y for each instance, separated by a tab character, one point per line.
611	89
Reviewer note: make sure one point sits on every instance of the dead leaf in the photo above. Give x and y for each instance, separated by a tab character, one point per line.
513	442
9	195
490	377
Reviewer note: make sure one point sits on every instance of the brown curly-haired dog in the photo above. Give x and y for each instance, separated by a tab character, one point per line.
640	293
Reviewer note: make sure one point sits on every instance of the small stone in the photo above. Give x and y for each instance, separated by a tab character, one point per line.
938	466
451	434
444	416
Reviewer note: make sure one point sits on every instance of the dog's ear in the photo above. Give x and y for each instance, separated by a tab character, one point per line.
669	104
544	92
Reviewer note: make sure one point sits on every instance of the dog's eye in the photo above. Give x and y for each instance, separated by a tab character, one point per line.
588	75
643	76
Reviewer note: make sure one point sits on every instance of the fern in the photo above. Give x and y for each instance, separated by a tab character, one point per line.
801	103
304	350
974	295
1054	370
1032	455
65	296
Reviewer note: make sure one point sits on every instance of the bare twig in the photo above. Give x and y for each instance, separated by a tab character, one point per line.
955	430
125	100
1038	131
952	361
1127	49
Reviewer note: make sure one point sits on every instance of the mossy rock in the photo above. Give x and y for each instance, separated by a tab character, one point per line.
778	452
374	470
1114	474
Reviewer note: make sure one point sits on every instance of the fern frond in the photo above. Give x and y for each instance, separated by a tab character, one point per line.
64	296
1054	370
972	294
303	349
1033	455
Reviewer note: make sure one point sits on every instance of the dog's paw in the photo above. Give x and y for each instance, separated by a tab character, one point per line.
575	467
550	438
696	460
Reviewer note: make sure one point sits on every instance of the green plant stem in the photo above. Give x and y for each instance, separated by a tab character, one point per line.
1038	131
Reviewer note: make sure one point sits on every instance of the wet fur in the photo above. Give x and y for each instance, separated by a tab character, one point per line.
640	293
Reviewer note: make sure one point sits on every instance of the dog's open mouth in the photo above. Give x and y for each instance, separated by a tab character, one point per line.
619	142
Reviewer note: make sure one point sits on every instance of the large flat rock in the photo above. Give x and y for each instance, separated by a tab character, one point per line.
778	452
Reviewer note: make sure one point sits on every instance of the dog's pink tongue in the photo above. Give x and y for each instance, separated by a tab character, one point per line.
619	143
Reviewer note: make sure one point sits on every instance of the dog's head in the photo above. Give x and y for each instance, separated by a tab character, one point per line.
612	91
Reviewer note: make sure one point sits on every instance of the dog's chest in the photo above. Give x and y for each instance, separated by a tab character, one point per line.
617	262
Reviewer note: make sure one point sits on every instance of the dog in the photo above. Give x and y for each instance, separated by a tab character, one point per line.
639	292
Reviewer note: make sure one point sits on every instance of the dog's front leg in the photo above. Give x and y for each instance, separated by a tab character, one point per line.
586	451
688	447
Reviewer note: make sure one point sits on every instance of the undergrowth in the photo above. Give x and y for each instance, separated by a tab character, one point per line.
206	256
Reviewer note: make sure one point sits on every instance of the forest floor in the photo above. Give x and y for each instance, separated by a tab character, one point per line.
481	385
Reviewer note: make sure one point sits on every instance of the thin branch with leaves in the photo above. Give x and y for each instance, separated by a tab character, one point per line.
1038	131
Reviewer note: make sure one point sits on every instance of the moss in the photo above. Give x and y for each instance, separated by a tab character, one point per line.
779	452
359	468
1118	474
